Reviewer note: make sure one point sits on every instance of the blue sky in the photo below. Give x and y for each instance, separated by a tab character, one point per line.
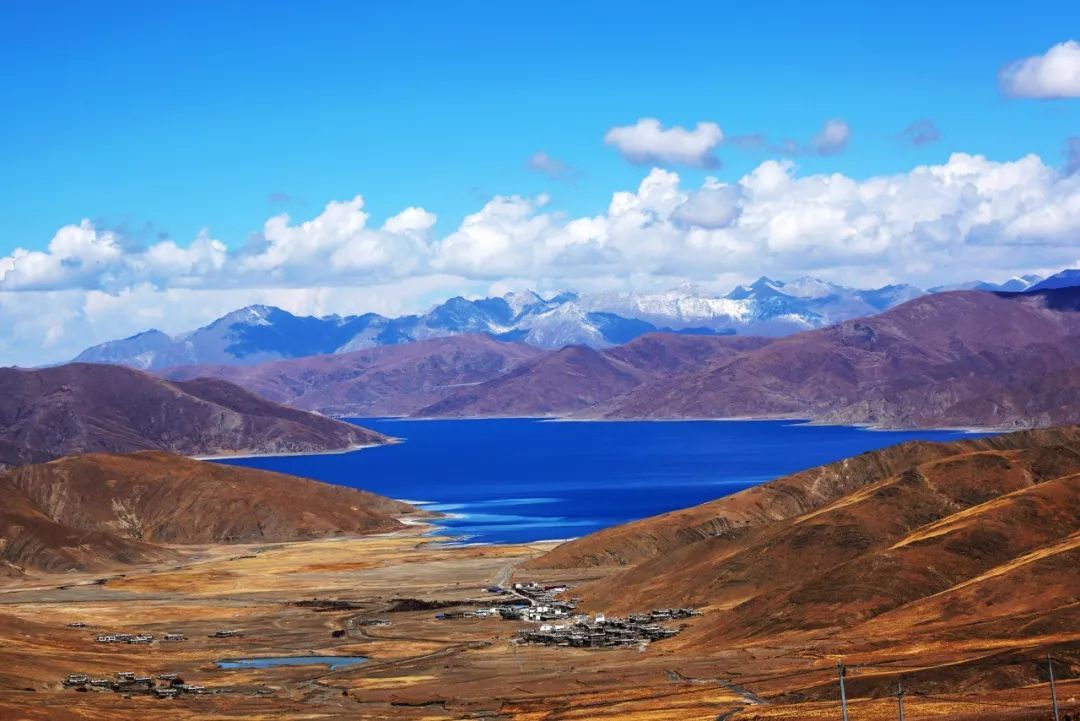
163	163
169	117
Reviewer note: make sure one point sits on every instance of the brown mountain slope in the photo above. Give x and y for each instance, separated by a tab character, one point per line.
941	539
91	510
961	358
663	354
578	377
740	514
81	407
388	380
572	378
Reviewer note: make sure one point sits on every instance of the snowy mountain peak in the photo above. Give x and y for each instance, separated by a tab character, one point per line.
1016	284
762	286
687	290
522	301
567	324
1065	279
810	287
148	335
765	282
565	296
250	315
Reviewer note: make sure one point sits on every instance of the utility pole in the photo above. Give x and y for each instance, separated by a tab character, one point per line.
1053	691
842	671
900	698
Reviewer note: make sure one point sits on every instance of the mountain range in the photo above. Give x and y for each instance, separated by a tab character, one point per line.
928	362
394	380
260	333
961	358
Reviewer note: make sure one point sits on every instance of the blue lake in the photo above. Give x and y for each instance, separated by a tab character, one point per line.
512	480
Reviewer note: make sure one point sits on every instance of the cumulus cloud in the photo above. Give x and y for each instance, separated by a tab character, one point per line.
647	141
498	240
715	205
919	133
170	263
970	211
78	255
967	217
554	168
336	245
1054	74
411	221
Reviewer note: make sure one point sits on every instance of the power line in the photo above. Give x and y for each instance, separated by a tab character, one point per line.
997	704
843	670
781	677
901	692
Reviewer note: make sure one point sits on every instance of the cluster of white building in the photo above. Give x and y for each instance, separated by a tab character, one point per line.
167	685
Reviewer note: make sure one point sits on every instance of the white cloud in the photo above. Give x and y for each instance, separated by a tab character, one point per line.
543	162
336	246
78	255
500	239
716	205
1055	74
412	220
167	260
647	141
969	217
832	139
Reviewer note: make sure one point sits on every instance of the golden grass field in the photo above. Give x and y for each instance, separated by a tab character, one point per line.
419	668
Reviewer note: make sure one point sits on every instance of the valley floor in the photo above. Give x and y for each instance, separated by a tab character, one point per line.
420	667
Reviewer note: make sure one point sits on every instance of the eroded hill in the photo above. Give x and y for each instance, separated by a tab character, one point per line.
94	511
86	408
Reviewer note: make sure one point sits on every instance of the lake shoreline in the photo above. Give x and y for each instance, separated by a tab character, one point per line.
795	420
241	455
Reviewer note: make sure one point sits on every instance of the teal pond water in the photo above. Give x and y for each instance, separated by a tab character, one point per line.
332	662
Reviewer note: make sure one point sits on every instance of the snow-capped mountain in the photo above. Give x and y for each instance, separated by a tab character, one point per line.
1016	284
682	307
765	307
250	335
1069	278
150	349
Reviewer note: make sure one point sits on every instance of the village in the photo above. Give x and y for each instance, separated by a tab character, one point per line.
560	626
164	685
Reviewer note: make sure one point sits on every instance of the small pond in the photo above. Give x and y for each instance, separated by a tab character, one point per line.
332	662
